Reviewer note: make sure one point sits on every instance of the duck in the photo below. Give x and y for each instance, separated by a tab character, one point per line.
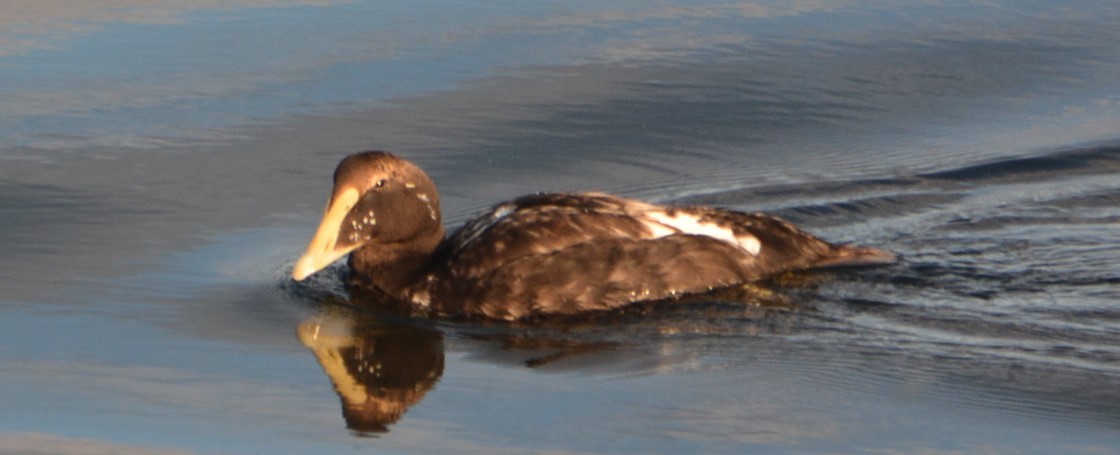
545	254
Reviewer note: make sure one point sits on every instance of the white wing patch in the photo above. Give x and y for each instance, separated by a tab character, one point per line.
662	224
502	211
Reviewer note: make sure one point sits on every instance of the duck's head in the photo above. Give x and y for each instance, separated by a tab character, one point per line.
382	206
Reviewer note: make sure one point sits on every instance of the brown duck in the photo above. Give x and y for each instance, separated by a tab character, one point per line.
545	254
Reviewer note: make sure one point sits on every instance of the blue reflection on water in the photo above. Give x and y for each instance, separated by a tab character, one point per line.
198	338
222	68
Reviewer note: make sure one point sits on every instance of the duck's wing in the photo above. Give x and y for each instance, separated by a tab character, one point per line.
539	224
777	244
569	253
599	275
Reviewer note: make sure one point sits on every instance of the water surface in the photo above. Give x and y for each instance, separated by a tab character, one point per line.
161	166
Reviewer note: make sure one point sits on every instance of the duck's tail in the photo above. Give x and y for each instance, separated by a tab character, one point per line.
845	255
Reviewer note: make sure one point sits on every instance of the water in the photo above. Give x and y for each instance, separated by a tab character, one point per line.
161	166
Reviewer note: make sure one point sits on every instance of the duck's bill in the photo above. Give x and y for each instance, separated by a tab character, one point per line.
324	248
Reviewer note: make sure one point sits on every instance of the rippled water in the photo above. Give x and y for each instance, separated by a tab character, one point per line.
161	166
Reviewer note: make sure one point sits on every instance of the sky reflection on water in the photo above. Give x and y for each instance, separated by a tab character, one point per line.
144	77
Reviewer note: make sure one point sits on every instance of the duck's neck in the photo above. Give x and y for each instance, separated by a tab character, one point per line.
393	267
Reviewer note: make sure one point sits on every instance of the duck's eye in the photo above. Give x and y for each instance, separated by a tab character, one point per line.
380	183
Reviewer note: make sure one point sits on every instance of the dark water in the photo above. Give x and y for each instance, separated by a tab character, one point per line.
161	166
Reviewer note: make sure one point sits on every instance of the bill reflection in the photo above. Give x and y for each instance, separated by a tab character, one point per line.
379	370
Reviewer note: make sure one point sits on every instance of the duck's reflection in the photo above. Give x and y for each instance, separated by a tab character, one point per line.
379	370
383	362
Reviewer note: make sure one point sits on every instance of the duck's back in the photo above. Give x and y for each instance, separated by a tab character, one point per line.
572	253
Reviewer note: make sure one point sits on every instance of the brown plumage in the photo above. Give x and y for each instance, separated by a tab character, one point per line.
546	254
